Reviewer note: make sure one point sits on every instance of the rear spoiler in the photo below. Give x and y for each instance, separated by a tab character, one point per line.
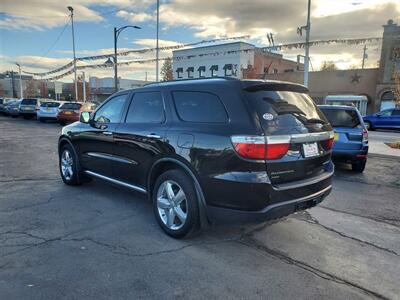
275	86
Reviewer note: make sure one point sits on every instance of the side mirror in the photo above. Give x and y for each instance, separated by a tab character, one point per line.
379	115
84	117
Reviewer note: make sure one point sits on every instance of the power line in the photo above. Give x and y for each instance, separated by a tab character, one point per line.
54	43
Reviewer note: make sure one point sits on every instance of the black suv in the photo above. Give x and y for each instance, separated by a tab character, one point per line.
206	150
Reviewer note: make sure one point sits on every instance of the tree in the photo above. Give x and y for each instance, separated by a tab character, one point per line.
396	85
166	70
2	92
30	90
328	65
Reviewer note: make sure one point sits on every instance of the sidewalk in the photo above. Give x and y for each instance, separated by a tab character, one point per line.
381	148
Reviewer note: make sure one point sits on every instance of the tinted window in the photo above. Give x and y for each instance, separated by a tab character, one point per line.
146	108
342	117
279	110
396	112
71	106
50	104
199	107
111	111
29	102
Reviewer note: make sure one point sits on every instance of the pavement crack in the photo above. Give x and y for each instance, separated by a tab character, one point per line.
316	222
388	221
252	243
51	198
29	179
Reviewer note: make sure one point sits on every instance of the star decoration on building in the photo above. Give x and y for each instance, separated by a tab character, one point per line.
355	78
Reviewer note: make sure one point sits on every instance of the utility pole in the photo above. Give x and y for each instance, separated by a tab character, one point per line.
307	46
365	55
84	86
73	48
157	50
20	81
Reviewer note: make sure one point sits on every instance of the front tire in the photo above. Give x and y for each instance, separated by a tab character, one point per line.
368	125
68	164
175	204
359	167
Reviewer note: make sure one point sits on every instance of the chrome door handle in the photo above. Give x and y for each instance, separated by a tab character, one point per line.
107	133
154	136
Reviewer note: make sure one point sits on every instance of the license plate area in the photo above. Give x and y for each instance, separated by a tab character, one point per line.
336	136
310	150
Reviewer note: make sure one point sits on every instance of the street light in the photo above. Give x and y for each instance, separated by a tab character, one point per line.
73	48
117	31
20	80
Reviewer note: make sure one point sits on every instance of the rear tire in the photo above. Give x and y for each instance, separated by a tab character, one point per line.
41	120
175	204
359	167
69	165
61	123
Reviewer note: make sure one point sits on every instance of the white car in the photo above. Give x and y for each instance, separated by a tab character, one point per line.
48	111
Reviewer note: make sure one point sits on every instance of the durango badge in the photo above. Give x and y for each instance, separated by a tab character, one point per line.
268	116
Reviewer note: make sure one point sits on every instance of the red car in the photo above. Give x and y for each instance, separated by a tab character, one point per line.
70	112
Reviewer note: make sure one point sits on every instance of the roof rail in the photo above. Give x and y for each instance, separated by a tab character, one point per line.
191	79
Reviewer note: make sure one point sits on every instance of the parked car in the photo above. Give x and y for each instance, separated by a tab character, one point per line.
206	150
3	104
29	107
386	119
48	111
351	135
69	112
12	108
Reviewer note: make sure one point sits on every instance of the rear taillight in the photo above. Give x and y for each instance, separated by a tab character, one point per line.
260	147
328	144
365	135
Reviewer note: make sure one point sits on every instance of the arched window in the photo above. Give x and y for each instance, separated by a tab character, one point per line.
387	100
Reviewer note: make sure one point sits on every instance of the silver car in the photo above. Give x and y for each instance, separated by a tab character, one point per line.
48	111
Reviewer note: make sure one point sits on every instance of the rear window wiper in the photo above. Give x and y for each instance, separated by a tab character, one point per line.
316	120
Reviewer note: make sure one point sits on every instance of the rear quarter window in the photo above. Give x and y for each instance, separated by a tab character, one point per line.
71	106
199	107
342	117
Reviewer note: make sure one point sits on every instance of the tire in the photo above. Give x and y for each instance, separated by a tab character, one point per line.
13	116
69	165
368	125
41	120
185	214
359	167
61	123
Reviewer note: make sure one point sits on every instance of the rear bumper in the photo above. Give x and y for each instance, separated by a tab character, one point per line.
273	211
254	202
27	113
350	155
68	118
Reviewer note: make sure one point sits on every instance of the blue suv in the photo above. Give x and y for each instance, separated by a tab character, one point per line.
386	119
350	143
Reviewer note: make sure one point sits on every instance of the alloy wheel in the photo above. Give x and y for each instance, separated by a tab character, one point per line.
172	205
67	164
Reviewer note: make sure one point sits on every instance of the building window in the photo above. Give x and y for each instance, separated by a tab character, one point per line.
275	71
190	72
202	71
214	70
228	70
179	72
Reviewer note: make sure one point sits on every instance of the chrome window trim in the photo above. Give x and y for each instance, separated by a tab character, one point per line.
115	181
311	137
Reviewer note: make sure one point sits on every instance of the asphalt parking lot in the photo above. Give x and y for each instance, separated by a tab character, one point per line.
97	241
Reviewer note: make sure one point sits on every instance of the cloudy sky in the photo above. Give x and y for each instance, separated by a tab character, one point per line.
37	33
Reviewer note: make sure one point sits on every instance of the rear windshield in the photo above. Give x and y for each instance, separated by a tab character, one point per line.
280	110
29	102
71	106
342	117
50	104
